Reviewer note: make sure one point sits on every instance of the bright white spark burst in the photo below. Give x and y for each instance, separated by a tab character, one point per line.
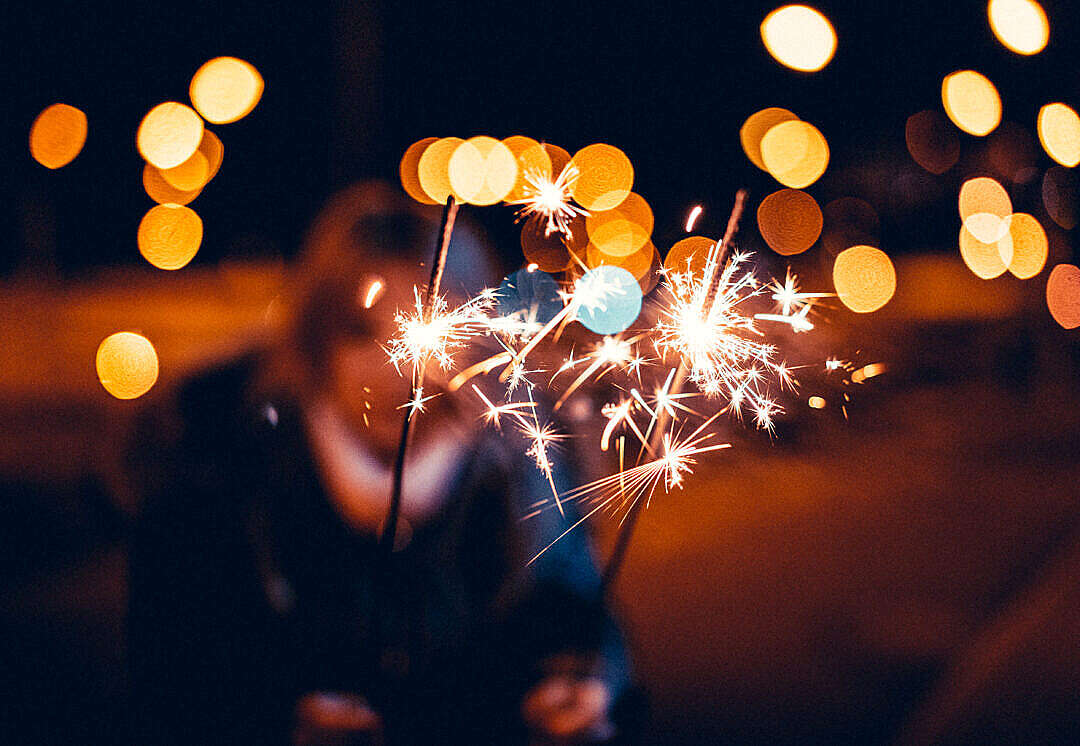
423	337
720	345
549	199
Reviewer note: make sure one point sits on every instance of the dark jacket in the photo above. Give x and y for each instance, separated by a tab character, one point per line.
248	590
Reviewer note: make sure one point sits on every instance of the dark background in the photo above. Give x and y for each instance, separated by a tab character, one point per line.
350	85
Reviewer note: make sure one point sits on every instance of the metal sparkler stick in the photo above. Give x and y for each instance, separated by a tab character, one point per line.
626	529
442	245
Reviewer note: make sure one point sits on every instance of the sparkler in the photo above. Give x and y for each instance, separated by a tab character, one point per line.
704	334
442	246
717	258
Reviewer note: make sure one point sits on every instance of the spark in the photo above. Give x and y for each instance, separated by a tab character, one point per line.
702	321
541	437
549	199
612	352
373	292
494	412
422	338
484	366
695	213
626	487
416	404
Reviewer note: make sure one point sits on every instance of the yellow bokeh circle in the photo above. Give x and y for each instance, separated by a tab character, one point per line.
864	278
226	89
170	235
795	153
754	129
162	191
409	170
169	134
971	101
1059	133
190	175
433	169
605	177
57	135
986	259
127	365
482	170
799	37
1020	25
985	207
1029	246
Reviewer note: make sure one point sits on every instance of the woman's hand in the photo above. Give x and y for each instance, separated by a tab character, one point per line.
335	719
567	709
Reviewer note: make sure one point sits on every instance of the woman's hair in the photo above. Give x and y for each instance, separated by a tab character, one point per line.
363	228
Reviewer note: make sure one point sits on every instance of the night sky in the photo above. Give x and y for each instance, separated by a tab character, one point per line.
350	85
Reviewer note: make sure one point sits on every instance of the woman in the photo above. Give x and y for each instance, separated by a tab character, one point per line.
261	611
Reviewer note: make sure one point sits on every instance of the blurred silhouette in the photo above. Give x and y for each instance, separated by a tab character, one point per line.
260	610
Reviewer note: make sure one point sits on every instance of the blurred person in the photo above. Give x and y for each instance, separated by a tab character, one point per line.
260	611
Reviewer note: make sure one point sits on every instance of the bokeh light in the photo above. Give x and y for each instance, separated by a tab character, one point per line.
613	299
1060	194
619	237
1029	246
755	127
225	89
1059	133
434	168
605	177
864	278
1063	295
169	134
532	158
170	235
57	135
1020	25
127	365
795	153
634	209
689	255
799	37
482	170
162	191
984	207
214	151
409	170
190	175
790	221
971	101
816	402
932	143
986	259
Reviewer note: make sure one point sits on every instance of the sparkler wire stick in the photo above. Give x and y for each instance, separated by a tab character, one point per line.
442	245
626	528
